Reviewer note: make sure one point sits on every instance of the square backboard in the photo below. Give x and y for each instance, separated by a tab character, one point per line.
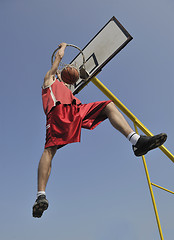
109	41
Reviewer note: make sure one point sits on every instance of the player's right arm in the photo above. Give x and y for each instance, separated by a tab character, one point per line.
49	77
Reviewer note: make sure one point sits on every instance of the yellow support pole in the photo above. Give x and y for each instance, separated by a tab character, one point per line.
137	123
151	193
162	188
153	198
126	111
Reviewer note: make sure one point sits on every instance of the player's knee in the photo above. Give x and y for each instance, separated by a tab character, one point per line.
109	107
50	151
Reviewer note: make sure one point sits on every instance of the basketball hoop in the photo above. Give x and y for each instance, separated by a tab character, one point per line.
84	75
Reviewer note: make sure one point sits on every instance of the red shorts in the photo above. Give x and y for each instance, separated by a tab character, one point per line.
64	122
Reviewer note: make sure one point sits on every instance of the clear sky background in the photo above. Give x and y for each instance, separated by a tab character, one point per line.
97	189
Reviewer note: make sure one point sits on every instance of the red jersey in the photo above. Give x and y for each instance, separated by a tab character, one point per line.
57	92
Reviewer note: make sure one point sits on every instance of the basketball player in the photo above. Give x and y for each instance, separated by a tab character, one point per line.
66	115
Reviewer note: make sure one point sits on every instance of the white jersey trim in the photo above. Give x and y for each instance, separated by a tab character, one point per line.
53	96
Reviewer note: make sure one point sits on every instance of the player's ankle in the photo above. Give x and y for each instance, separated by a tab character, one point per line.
133	137
39	193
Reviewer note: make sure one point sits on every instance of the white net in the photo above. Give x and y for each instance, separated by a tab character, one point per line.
81	69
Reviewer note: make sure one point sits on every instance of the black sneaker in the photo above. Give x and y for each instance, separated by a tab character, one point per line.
40	205
146	144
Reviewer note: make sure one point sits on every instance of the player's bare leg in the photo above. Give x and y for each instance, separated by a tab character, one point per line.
117	119
44	170
141	144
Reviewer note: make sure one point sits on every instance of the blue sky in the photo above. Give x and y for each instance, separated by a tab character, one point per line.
97	189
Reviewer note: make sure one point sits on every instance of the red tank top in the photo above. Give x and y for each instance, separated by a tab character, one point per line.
57	92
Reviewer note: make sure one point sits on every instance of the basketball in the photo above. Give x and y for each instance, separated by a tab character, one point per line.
69	75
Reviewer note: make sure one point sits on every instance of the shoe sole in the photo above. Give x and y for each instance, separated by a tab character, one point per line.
157	142
39	208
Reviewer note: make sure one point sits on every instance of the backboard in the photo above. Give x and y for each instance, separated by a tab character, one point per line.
110	40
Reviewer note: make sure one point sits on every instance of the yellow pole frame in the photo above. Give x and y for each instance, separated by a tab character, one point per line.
130	115
137	123
162	188
151	193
